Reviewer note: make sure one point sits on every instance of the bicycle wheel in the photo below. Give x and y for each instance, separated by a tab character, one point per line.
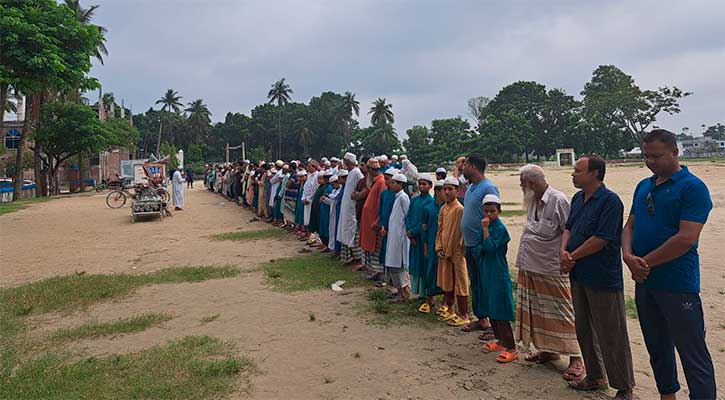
116	199
164	194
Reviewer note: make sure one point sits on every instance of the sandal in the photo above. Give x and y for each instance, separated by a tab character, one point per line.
473	326
587	384
507	356
445	316
493	347
487	335
458	321
424	308
442	309
575	374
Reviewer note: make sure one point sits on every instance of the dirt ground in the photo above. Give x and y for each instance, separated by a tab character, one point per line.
300	359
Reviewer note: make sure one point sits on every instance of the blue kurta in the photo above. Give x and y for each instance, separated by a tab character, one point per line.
417	259
495	299
387	198
430	219
324	230
299	208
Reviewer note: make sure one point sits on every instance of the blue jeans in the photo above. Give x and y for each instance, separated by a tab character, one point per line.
471	263
672	321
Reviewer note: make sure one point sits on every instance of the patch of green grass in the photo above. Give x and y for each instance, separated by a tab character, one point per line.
129	325
191	368
630	307
251	235
210	318
309	272
6	208
312	317
71	292
512	213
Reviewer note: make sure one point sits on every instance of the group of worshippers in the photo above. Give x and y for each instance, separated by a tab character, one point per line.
421	236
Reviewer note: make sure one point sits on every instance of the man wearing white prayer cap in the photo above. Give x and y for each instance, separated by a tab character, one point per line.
347	227
441	173
398	245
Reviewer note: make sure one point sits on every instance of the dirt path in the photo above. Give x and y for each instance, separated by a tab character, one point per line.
300	359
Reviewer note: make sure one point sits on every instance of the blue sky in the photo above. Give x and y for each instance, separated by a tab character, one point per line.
426	57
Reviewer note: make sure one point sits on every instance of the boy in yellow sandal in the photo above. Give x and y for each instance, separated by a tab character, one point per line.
495	293
452	273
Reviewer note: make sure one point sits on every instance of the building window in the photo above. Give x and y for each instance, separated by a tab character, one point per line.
12	139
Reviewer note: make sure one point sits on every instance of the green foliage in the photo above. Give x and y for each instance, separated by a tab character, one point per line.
92	330
167	149
309	272
6	208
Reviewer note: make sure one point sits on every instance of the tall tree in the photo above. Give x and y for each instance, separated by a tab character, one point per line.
615	101
350	107
85	16
171	100
381	113
44	48
279	94
199	117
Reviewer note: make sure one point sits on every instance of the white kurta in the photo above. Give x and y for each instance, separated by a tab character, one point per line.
177	183
396	251
348	219
275	181
308	192
332	201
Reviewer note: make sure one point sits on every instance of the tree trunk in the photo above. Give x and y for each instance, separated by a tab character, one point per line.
158	140
3	99
81	163
33	104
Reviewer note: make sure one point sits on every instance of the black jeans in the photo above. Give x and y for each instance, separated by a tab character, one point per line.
672	321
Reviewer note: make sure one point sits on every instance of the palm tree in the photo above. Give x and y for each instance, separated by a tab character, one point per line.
171	101
279	94
85	15
199	116
350	105
383	138
304	136
382	113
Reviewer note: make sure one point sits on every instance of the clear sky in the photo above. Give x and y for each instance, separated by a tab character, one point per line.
426	57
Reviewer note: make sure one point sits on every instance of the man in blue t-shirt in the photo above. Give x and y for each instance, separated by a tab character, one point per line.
659	245
474	168
590	253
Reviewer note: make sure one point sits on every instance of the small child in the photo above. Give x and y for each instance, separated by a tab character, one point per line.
452	273
398	245
496	296
430	229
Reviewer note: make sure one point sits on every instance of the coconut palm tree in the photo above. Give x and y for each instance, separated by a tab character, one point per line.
382	113
383	138
279	94
170	101
350	105
85	15
199	116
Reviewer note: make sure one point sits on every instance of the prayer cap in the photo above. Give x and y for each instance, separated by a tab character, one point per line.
400	178
323	159
314	163
403	157
335	159
392	171
383	158
327	173
425	177
441	170
438	184
279	163
327	163
285	166
350	157
179	167
393	157
300	173
491	198
342	172
451	180
334	178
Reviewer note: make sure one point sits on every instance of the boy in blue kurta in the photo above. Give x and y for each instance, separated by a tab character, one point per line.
429	231
387	198
413	221
496	297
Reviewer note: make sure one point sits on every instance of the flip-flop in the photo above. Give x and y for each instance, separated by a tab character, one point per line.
487	335
458	321
493	347
507	356
442	309
473	326
424	308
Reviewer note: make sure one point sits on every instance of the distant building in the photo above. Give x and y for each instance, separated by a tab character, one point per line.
696	146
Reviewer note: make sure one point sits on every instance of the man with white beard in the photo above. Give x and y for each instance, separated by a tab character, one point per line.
544	309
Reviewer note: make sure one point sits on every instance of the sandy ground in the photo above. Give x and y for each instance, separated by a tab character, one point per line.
297	357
